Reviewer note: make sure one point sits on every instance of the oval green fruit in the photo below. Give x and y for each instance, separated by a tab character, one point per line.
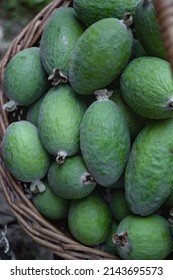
33	111
51	205
23	153
25	79
59	38
91	11
147	87
143	238
108	245
59	121
148	30
71	180
104	140
100	55
149	170
134	121
118	204
89	219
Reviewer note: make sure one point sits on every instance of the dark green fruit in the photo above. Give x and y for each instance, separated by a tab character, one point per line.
59	121
89	219
59	38
147	87
104	140
91	11
23	153
148	30
143	238
71	180
149	170
25	79
108	245
51	205
118	205
100	55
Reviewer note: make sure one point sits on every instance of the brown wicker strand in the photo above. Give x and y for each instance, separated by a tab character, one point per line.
164	10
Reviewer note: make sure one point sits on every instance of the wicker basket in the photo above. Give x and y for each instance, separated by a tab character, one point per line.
54	236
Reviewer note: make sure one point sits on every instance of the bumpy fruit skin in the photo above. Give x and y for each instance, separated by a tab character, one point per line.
147	29
91	11
69	179
59	38
104	141
89	219
100	55
135	122
25	79
23	153
147	87
59	120
149	170
143	238
50	205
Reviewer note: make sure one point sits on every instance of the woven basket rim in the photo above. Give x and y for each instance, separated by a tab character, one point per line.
35	225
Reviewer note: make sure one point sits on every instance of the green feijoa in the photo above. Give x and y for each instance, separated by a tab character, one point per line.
89	219
138	49
59	121
118	205
143	238
33	111
149	170
100	55
134	121
91	11
23	153
104	140
25	79
108	245
71	180
58	40
148	30
147	87
51	205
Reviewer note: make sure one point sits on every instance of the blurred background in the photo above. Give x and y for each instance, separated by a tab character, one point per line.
14	15
14	242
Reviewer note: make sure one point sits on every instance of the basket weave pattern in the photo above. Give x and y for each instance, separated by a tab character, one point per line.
38	228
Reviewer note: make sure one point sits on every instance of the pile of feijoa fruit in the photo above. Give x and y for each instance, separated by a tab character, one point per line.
95	145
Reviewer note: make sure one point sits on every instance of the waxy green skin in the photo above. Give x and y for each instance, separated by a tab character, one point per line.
147	29
147	87
100	55
59	120
104	141
108	245
148	238
66	180
91	11
51	205
25	79
23	153
89	219
59	38
149	170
